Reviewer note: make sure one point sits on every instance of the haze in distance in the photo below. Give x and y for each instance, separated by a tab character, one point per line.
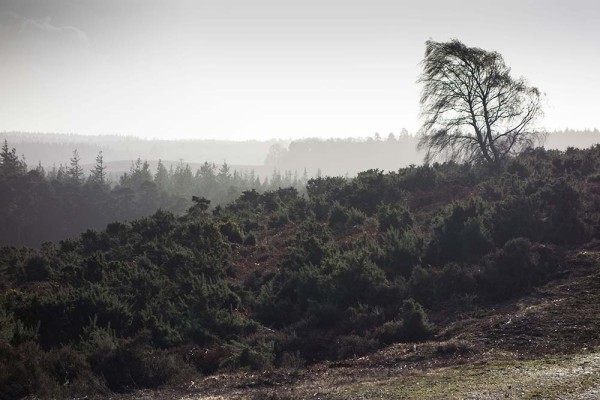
267	69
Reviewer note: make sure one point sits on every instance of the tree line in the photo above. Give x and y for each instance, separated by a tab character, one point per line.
40	205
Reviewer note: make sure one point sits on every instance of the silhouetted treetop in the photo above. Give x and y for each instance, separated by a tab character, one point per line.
472	108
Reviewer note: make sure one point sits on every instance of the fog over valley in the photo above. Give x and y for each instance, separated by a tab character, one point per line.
333	156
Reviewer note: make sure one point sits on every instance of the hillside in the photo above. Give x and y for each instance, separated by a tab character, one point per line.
364	287
543	345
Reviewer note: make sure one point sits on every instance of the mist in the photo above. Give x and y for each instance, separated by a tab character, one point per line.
232	70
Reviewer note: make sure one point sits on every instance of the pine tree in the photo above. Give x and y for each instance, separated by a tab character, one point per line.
224	174
140	172
161	178
53	173
61	174
10	165
40	169
98	174
75	172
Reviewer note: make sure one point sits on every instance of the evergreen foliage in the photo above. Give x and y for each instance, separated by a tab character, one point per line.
274	278
39	206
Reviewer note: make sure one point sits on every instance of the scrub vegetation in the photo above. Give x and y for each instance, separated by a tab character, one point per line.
415	266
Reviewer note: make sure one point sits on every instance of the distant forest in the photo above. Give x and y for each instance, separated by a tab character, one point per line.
38	205
333	157
41	203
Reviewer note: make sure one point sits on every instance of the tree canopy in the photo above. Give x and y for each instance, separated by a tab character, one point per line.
472	108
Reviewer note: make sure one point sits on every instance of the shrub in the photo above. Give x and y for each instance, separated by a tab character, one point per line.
291	360
94	268
361	318
206	359
97	339
256	356
415	323
423	285
396	217
312	245
354	281
22	372
517	267
321	209
37	269
400	251
231	231
354	346
7	325
434	285
338	217
412	325
460	236
355	217
562	204
134	364
516	216
389	332
546	211
69	370
342	217
424	177
279	220
250	239
456	279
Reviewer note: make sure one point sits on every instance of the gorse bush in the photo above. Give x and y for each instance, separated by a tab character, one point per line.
518	266
341	218
433	285
396	217
461	235
134	364
278	278
401	251
412	325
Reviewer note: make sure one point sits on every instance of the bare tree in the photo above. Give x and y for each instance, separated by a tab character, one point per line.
472	109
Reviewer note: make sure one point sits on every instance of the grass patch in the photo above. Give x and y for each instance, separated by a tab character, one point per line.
546	378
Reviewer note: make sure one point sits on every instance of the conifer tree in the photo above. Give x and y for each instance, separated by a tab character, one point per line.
10	164
75	172
98	174
224	174
40	169
161	178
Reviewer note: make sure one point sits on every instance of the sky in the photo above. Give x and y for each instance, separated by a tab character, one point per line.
238	69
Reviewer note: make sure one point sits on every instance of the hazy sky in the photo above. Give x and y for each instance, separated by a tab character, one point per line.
261	69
